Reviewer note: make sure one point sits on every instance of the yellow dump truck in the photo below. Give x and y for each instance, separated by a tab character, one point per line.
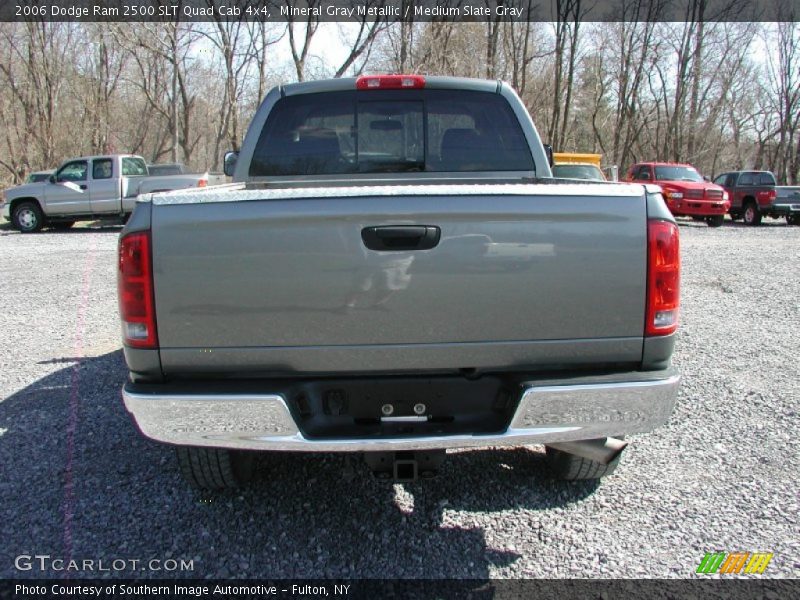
582	165
561	158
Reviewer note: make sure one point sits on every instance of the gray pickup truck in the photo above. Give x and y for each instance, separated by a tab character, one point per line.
89	187
395	272
787	201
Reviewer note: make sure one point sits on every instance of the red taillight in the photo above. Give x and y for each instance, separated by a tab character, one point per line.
202	183
663	278
135	282
390	82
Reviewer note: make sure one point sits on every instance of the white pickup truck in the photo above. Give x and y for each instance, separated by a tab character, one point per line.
90	187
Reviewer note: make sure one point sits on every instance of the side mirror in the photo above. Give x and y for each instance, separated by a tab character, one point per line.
706	178
548	150
52	179
229	163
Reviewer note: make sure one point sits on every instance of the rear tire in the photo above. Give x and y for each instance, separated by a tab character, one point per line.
569	467
715	221
27	217
793	219
751	215
214	469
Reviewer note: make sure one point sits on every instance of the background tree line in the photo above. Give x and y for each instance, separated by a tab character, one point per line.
719	95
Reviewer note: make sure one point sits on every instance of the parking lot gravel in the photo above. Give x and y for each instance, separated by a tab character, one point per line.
77	481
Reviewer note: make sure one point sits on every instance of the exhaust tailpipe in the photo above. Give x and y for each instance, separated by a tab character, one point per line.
602	450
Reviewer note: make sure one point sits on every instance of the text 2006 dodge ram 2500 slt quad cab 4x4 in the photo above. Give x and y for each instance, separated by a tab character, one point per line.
396	273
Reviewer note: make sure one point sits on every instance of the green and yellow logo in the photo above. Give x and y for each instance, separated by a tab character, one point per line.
734	563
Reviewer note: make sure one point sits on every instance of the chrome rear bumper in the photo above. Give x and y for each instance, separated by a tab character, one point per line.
546	413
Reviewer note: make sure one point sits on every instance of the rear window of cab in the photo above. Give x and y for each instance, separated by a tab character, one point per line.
756	178
390	131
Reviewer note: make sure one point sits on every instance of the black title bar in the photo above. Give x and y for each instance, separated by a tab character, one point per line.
451	11
355	589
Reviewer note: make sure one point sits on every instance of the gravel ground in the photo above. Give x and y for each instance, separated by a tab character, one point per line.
78	481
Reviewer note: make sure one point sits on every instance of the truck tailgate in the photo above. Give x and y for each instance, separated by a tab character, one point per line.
280	281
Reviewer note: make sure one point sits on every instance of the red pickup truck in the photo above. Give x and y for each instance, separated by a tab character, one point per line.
685	190
753	196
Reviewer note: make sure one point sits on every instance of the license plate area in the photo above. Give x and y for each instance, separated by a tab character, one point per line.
403	407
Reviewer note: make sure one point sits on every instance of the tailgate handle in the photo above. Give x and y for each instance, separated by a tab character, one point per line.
396	238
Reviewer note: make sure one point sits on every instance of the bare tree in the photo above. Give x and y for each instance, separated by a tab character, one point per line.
518	46
236	47
635	88
493	25
406	39
264	36
161	54
105	62
369	27
631	52
783	71
35	76
300	44
567	27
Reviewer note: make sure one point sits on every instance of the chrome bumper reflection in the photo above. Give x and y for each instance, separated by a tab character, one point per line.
546	413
